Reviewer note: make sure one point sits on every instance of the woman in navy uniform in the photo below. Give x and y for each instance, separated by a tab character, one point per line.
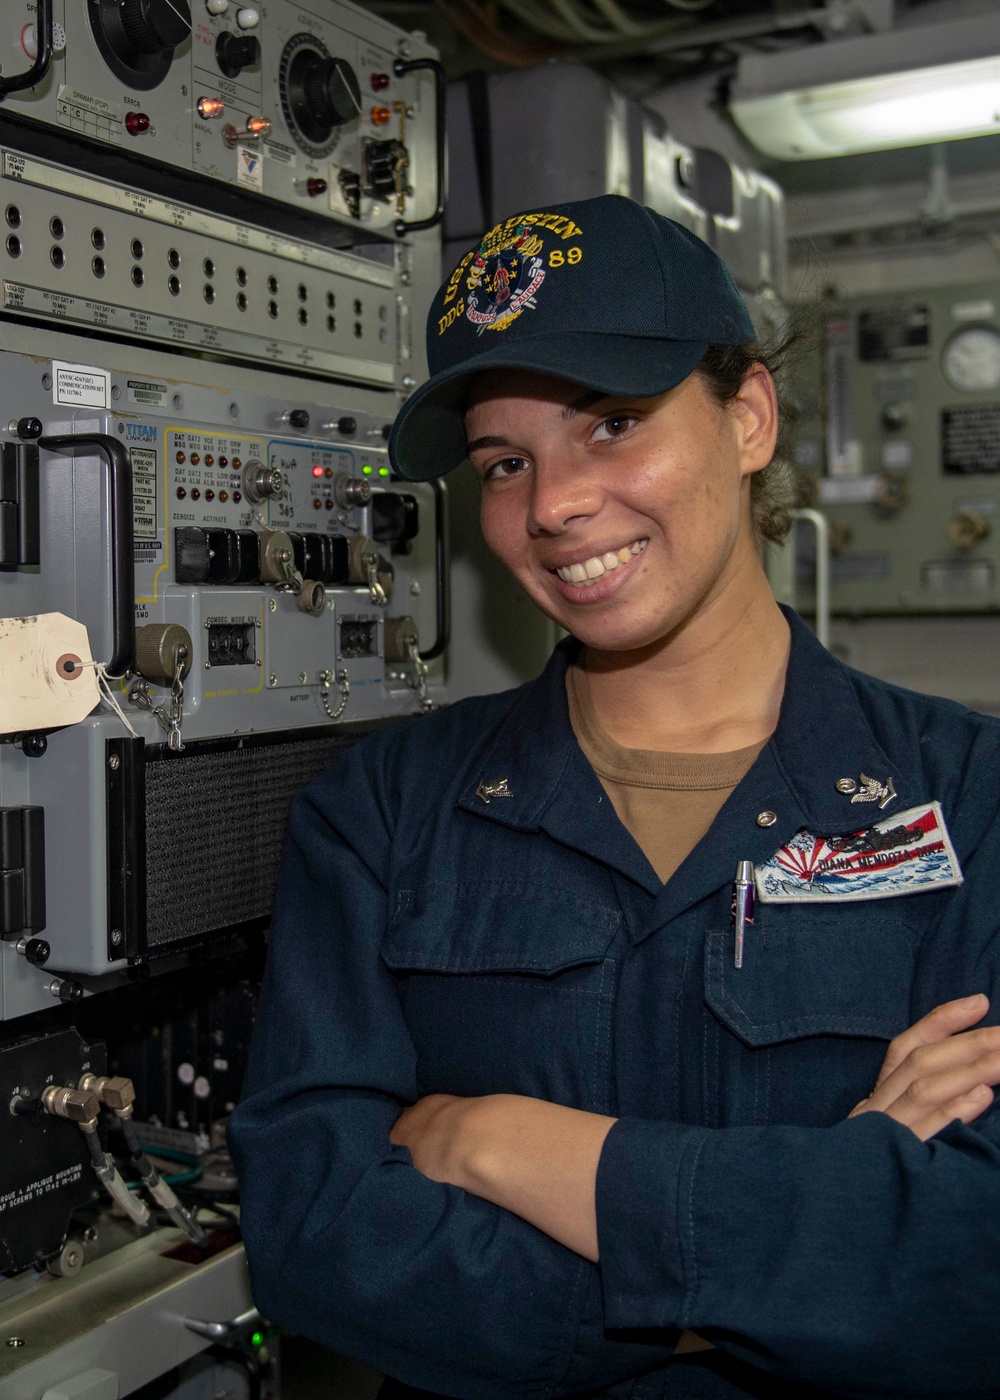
574	991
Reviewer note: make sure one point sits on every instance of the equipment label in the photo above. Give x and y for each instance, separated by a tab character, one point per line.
970	440
147	391
82	385
249	168
143	491
44	1186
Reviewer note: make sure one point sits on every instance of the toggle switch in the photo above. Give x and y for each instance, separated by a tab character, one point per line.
255	128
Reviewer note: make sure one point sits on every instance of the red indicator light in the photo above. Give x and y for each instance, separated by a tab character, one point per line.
209	495
223	461
195	494
258	126
237	497
136	123
181	458
315	187
380	81
210	107
181	493
317	471
329	505
380	115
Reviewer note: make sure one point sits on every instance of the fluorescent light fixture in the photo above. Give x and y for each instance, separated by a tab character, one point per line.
907	87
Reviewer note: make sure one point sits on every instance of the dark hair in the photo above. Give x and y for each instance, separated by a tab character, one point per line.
772	490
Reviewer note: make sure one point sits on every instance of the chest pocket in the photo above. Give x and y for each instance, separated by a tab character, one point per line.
506	988
821	990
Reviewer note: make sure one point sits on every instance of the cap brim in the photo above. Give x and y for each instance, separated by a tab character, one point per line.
428	437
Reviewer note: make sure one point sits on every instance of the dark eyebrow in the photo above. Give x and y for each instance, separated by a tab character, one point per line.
479	442
583	402
575	406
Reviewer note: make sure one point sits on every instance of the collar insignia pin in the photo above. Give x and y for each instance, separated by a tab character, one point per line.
490	790
874	791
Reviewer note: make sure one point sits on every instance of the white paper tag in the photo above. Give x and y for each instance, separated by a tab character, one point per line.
48	677
904	854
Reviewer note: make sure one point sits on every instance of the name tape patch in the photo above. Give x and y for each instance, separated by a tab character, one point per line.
903	854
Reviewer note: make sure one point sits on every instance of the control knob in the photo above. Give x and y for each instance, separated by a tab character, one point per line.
319	92
137	38
234	52
260	482
155	26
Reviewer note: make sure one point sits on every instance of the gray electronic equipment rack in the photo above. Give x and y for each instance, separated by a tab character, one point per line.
901	445
318	107
555	134
218	241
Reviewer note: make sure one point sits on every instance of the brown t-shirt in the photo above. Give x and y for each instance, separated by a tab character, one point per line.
667	801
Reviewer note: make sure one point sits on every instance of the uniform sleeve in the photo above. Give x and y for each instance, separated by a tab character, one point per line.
347	1242
853	1257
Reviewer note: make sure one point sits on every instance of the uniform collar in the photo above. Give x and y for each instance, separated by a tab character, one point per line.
534	776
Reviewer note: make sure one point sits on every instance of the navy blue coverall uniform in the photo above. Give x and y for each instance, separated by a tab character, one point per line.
427	939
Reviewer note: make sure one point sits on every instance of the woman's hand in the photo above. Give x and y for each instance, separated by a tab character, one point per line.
939	1070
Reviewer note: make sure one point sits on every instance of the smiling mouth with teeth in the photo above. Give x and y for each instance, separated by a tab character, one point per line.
586	574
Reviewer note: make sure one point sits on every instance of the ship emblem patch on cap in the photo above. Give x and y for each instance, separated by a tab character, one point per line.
503	275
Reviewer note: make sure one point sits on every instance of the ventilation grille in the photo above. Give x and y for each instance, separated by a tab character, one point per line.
215	824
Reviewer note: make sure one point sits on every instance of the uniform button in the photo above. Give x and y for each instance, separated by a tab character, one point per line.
846	785
766	818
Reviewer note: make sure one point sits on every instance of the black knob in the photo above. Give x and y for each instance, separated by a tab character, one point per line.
331	91
386	430
347	427
69	991
34	745
234	52
155	26
319	92
298	418
36	950
28	429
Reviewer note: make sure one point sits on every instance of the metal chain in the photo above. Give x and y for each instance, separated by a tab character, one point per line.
326	681
169	718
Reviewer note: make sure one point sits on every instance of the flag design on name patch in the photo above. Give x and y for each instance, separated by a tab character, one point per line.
902	854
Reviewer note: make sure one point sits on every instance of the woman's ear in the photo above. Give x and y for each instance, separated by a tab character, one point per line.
755	409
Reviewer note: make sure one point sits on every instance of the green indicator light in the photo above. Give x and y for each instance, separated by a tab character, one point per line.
383	471
257	1339
366	470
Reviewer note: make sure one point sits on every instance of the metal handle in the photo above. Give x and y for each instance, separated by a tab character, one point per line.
38	70
119	466
442	572
221	1331
430	65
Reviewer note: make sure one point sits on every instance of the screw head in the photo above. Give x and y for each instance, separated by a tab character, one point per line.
15	1342
114	762
302	677
272	679
116	936
272	605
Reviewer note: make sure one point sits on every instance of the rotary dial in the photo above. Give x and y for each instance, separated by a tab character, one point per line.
971	360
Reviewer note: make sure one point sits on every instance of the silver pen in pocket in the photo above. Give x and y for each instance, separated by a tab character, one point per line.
742	907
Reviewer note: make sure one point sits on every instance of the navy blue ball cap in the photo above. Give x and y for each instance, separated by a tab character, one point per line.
603	293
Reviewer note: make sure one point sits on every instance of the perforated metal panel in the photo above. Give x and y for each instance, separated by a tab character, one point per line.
205	858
